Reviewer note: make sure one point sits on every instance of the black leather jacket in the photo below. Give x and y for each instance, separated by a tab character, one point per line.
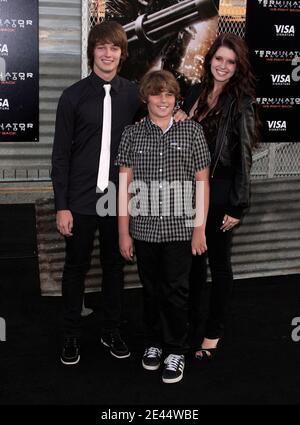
233	147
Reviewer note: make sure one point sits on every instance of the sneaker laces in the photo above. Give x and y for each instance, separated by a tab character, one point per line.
116	337
152	352
71	341
174	361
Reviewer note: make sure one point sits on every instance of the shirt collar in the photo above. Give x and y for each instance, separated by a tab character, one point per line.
99	82
150	125
169	125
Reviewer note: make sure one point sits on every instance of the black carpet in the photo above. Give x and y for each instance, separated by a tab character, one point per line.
258	362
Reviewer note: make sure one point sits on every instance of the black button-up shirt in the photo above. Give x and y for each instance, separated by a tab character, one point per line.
164	166
77	141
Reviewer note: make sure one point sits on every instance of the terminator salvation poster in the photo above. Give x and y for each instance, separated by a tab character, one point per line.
169	34
19	82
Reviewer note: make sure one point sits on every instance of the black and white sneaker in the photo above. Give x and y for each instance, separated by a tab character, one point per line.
115	343
70	354
173	370
151	358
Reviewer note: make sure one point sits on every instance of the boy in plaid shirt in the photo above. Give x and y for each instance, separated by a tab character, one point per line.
165	164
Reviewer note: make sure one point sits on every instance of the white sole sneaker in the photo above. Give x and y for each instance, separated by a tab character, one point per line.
147	367
172	380
114	354
70	363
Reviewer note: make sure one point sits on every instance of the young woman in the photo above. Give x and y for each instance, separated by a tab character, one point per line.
224	104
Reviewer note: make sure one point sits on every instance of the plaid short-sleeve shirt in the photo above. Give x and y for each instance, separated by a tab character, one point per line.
163	188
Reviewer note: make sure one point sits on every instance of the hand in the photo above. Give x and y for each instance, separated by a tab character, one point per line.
126	247
229	222
198	242
64	222
180	116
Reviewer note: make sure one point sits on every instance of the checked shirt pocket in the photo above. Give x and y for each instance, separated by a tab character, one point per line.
178	158
142	158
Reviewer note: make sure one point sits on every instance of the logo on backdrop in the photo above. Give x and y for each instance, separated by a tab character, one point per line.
19	85
14	128
277	125
277	55
4	104
3	49
281	5
284	30
13	77
278	102
280	80
10	25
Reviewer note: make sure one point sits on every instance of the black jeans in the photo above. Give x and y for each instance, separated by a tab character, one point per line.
164	273
77	262
219	256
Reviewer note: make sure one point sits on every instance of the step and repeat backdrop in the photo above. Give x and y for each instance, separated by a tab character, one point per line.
176	35
19	78
273	37
173	34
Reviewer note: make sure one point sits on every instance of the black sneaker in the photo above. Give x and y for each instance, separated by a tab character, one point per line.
173	370
117	346
151	358
70	353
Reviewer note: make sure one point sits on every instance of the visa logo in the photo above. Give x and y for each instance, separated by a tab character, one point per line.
3	48
281	79
285	29
277	125
4	103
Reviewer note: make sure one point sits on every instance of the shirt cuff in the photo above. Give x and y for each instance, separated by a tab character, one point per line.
123	164
61	204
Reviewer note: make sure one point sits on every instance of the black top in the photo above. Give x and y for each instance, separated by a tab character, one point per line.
231	147
210	124
77	141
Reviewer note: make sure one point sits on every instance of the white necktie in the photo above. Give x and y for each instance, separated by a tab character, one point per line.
104	162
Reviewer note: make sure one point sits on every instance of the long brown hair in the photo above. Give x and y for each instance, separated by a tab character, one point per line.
241	83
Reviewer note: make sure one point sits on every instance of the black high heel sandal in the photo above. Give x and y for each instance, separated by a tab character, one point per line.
206	353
